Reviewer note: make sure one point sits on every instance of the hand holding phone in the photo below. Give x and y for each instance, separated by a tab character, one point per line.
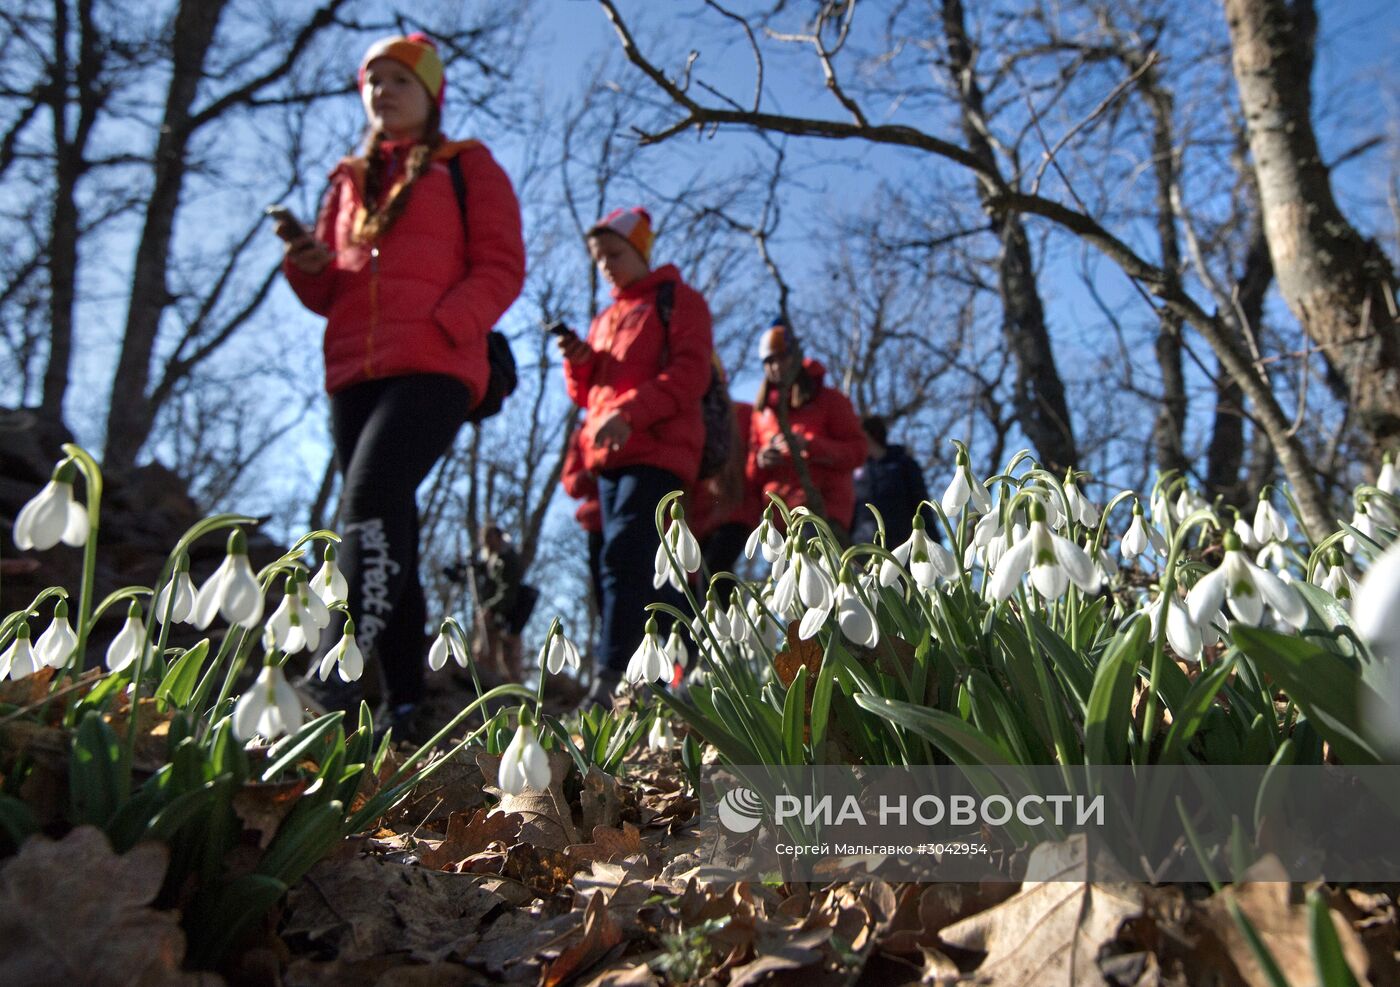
288	227
559	329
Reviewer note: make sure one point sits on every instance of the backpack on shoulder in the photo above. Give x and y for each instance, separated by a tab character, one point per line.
716	410
502	379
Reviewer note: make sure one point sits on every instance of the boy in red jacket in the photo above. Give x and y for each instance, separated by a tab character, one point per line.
641	381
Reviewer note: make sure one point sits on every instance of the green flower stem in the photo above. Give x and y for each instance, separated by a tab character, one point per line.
1159	641
451	626
92	476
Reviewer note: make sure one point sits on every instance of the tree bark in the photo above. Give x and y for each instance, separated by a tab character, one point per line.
132	413
69	150
1039	394
1339	284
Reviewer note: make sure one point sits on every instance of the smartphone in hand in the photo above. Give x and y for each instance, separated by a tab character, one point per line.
288	227
559	329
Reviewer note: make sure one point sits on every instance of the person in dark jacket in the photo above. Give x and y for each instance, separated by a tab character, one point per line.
893	482
499	575
409	287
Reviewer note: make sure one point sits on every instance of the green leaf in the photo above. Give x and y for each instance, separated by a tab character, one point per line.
97	779
1321	683
17	822
1190	712
1328	961
962	742
303	838
302	741
794	713
180	810
1108	717
179	683
220	918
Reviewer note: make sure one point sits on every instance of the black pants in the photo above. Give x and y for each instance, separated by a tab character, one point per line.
721	548
628	498
388	434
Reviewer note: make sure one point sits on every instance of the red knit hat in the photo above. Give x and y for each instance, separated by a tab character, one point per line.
633	225
418	53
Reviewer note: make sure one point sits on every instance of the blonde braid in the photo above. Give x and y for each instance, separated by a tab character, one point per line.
379	219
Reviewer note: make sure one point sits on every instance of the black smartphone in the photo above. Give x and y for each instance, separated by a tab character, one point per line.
288	227
559	328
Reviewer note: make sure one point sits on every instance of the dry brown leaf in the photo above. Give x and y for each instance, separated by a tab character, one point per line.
469	834
1051	931
609	844
548	819
600	935
263	807
362	908
28	691
1282	924
73	912
543	870
599	801
794	952
796	654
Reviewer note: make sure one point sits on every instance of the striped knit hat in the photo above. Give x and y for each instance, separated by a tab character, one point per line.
633	225
416	51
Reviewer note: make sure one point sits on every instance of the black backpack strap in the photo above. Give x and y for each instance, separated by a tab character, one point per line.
459	187
665	304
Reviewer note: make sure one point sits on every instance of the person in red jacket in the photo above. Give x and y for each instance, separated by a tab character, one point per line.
641	379
828	435
724	508
582	485
410	283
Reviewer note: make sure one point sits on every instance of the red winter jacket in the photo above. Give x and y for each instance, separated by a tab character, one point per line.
423	298
835	447
626	373
729	497
581	485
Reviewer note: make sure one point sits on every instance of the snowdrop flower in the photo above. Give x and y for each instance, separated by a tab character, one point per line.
854	617
232	590
19	659
1140	535
1080	509
1246	532
660	737
1389	479
52	515
269	709
649	662
524	764
675	650
682	545
920	550
329	583
446	644
58	641
1185	636
1052	560
181	588
290	629
1269	524
1161	510
741	632
785	592
1334	579
765	538
715	616
346	657
126	646
557	653
1247	588
963	488
1362	521
1272	556
1376	607
815	587
1104	564
1188	502
315	615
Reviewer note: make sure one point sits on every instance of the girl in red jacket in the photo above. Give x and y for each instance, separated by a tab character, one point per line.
640	379
410	282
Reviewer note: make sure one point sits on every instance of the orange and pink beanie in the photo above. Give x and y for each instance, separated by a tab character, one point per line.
633	225
418	53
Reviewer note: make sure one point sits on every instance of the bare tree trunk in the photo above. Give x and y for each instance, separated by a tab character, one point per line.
1039	394
131	413
68	169
1168	429
1339	285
